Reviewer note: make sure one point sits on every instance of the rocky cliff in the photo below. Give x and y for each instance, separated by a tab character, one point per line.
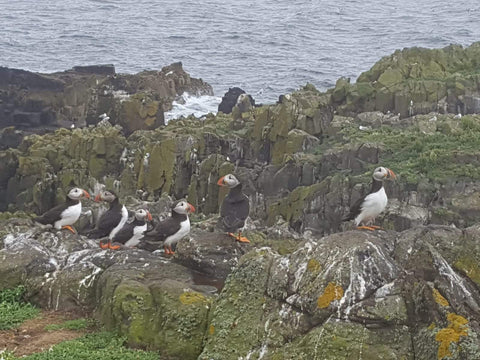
309	287
77	97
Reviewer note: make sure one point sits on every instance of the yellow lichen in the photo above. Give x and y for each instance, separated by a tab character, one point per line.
332	292
456	328
211	329
313	266
470	267
439	298
431	326
192	297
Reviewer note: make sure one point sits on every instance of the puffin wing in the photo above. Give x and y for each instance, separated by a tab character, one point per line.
234	214
163	230
106	223
52	215
124	234
355	209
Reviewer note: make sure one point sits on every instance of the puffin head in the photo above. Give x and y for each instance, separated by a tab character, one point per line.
229	181
142	214
106	195
382	173
77	193
183	207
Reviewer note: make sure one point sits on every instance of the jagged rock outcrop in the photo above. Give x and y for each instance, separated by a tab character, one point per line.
416	81
76	97
151	300
308	180
379	295
305	159
384	295
231	99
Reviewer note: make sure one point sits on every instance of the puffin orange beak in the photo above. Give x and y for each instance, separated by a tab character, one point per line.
391	174
191	208
86	194
149	216
98	198
221	181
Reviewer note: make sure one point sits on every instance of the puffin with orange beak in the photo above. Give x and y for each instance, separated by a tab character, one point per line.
367	208
111	220
235	208
131	233
174	228
65	215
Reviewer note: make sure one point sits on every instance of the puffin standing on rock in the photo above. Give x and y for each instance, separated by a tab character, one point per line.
65	215
111	220
172	229
131	233
235	208
367	208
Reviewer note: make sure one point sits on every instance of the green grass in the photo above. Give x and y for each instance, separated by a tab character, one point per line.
449	152
76	324
13	310
101	346
7	355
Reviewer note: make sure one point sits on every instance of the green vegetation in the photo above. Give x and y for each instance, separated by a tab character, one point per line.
104	346
450	150
13	310
7	355
75	324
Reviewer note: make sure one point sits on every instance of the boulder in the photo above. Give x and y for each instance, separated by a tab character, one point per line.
212	254
153	302
380	295
233	98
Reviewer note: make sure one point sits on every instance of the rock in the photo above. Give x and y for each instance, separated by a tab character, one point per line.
214	255
10	138
76	97
231	99
96	69
429	77
350	294
127	289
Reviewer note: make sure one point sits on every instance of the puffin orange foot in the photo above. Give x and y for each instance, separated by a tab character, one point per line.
242	239
105	246
376	227
113	247
68	227
239	237
167	250
366	228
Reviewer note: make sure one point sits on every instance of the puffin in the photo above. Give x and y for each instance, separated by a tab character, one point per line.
235	208
172	229
368	207
131	233
111	220
63	216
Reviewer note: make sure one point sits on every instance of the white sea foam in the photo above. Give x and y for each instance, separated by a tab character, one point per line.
196	105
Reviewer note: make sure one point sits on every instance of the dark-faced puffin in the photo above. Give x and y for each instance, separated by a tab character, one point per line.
65	215
172	229
235	208
111	220
367	208
131	233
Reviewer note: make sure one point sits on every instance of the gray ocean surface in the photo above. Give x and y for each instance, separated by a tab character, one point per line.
266	47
